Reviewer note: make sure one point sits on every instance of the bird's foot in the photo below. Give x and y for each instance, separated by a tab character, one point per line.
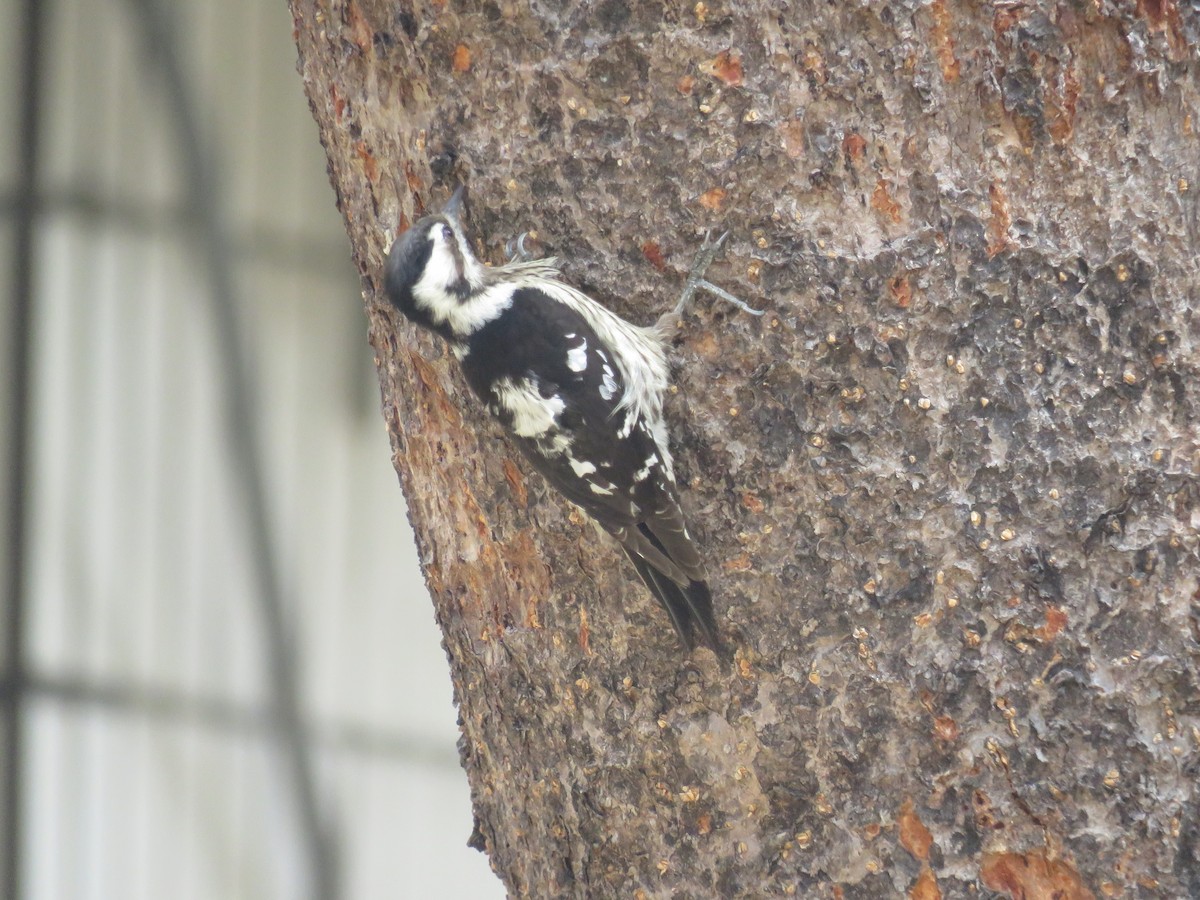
696	281
515	249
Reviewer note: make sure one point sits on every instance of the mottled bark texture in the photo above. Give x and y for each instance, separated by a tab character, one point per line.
948	484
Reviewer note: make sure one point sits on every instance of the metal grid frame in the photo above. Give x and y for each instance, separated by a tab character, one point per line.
305	738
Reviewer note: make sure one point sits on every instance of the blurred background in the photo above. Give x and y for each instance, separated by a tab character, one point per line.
219	671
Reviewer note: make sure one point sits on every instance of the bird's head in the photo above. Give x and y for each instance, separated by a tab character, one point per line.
431	273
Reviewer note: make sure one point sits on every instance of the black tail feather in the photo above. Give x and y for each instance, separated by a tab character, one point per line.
700	602
690	609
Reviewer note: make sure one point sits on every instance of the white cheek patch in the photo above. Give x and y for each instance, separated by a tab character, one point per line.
432	291
464	317
439	289
532	414
472	268
577	358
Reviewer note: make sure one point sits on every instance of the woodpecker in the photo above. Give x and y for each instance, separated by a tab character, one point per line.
578	389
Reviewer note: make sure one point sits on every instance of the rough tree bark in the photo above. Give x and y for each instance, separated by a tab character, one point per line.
948	484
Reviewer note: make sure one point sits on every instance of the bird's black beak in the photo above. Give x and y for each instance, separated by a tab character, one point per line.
454	206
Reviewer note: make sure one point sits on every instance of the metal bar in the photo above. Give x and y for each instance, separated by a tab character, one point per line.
20	335
215	248
220	716
265	243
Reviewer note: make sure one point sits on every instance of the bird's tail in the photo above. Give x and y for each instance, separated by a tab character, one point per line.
690	608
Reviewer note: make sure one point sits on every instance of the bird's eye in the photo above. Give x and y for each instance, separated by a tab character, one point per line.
443	232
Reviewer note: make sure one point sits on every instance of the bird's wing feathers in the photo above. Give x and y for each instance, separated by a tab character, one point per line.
645	517
608	459
562	402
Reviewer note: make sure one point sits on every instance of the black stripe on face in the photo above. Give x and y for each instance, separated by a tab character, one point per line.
461	288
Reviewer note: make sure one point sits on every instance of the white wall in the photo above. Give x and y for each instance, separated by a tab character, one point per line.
150	770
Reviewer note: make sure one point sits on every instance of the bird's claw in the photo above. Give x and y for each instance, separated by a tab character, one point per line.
696	281
515	249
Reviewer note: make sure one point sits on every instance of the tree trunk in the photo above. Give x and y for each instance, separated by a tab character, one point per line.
948	484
